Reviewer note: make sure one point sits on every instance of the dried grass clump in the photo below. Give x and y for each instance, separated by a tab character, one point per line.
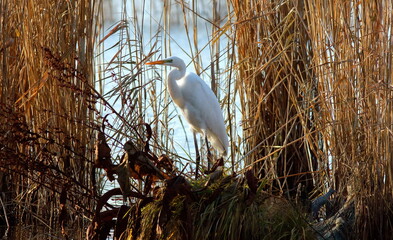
352	46
277	88
47	110
315	79
226	209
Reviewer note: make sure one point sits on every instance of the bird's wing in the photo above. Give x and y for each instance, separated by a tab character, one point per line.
202	110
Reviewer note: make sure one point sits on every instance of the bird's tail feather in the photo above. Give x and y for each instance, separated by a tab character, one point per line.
217	144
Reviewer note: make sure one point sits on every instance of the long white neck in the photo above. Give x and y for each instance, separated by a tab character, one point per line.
173	87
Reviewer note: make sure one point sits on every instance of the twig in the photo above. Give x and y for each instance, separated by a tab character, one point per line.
6	219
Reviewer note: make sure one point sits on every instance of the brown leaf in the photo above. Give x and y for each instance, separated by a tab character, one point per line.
252	181
102	152
63	211
103	155
123	175
140	165
101	229
164	162
218	163
121	222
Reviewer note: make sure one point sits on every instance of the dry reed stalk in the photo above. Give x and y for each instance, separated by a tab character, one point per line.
352	46
276	87
46	79
322	74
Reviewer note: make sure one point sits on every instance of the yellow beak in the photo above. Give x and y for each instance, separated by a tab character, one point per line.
156	62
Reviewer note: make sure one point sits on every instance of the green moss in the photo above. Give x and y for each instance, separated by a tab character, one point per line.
225	210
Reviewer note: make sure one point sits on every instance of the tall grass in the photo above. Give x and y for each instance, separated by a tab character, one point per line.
277	89
47	109
316	87
311	82
352	48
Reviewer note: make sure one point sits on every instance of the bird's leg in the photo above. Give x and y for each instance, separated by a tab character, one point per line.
209	155
198	157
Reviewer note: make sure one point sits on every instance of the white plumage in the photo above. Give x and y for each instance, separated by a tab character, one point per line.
197	102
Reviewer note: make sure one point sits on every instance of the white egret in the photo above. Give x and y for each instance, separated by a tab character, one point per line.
198	104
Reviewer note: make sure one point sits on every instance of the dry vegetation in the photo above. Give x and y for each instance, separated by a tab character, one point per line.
320	101
47	112
311	80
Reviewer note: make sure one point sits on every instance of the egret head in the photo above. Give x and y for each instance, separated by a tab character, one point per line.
171	61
